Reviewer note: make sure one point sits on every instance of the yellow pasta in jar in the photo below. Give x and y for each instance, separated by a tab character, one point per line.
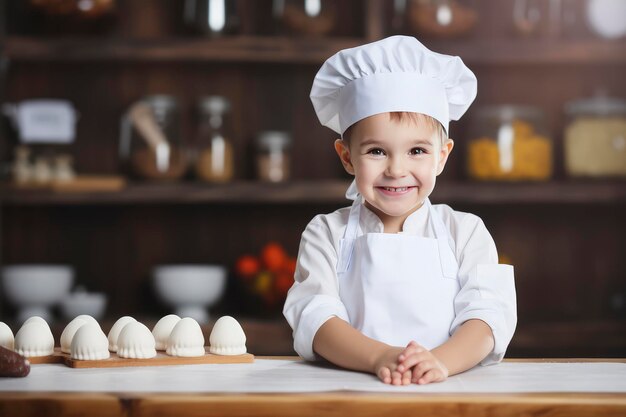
531	156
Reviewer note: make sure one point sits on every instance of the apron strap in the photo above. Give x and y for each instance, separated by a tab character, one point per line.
346	245
449	264
353	221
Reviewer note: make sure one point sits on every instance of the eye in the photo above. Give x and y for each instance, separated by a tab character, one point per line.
417	151
376	152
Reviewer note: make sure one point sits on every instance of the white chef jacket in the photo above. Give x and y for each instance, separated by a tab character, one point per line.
314	296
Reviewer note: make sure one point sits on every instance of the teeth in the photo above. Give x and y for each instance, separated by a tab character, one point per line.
400	189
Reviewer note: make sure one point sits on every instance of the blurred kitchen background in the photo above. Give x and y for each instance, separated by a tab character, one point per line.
161	156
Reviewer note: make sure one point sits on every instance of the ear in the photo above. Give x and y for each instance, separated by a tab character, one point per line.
446	148
343	151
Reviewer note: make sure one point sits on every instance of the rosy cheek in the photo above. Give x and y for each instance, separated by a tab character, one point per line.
425	170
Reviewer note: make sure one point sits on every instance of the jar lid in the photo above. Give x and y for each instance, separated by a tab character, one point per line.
599	105
273	139
510	112
161	102
214	105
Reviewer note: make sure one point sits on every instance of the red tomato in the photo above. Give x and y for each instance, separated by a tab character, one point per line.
247	266
273	256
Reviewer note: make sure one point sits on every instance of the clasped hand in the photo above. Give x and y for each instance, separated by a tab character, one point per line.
412	364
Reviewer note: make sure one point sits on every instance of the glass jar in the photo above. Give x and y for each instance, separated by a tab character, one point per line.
150	138
509	143
554	18
22	168
595	137
65	17
273	159
214	162
440	18
63	170
306	17
42	170
212	17
528	16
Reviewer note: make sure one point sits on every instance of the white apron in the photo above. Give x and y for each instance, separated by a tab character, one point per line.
399	287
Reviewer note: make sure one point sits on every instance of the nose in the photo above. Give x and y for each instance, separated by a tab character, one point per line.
396	167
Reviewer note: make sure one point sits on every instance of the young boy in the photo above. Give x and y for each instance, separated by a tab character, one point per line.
393	285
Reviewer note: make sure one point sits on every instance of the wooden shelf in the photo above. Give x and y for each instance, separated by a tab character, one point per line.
304	50
531	51
553	192
321	192
233	49
188	193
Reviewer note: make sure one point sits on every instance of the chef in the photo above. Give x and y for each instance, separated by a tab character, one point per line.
394	285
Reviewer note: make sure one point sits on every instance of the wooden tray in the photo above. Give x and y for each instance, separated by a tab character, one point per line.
161	359
56	357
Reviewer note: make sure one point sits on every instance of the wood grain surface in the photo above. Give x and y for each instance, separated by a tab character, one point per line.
301	405
397	405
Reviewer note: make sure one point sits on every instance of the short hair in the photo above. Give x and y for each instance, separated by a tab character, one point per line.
409	117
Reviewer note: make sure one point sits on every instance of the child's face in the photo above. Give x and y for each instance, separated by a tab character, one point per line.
395	164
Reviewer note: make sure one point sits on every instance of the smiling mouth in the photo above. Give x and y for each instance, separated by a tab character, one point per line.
396	189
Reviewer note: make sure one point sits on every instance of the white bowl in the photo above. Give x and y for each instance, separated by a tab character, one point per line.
33	289
78	303
190	289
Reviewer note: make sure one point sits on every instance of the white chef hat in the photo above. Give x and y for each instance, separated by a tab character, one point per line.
394	74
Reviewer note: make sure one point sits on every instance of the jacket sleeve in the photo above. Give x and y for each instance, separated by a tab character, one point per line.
487	291
314	296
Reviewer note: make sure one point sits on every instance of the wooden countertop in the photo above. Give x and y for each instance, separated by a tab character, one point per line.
333	404
317	404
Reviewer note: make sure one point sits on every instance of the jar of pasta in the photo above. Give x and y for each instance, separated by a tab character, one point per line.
595	137
509	143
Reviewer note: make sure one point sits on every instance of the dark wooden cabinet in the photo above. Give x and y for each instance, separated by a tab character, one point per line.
566	237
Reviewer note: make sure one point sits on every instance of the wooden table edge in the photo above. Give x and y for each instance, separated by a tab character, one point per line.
312	404
335	403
